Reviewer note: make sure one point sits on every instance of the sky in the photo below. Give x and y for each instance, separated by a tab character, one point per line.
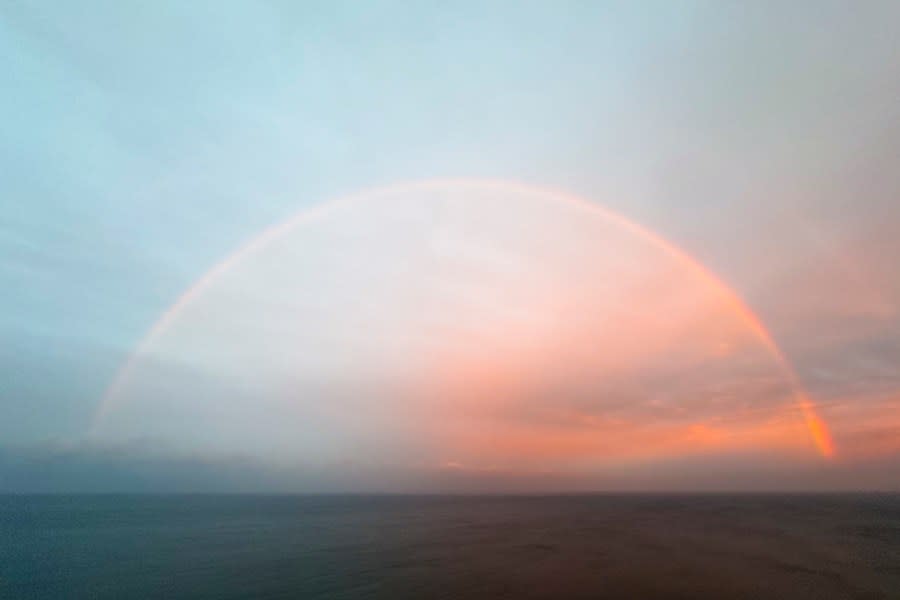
538	246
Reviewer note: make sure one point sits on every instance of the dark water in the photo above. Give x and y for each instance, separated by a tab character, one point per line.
450	547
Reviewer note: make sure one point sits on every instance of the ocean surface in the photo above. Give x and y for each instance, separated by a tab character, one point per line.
603	546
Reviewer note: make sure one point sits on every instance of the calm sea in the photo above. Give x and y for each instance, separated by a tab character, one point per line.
605	546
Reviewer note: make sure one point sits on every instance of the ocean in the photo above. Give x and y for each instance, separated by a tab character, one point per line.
580	546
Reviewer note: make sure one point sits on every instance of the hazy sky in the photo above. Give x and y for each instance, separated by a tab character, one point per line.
450	338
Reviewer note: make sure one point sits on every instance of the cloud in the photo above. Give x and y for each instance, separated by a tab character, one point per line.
140	151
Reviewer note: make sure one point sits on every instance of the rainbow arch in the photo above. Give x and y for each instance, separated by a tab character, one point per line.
815	424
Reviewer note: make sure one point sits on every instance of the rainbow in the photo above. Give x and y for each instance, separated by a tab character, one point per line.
816	426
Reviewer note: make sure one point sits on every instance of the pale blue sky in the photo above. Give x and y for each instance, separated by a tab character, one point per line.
141	143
